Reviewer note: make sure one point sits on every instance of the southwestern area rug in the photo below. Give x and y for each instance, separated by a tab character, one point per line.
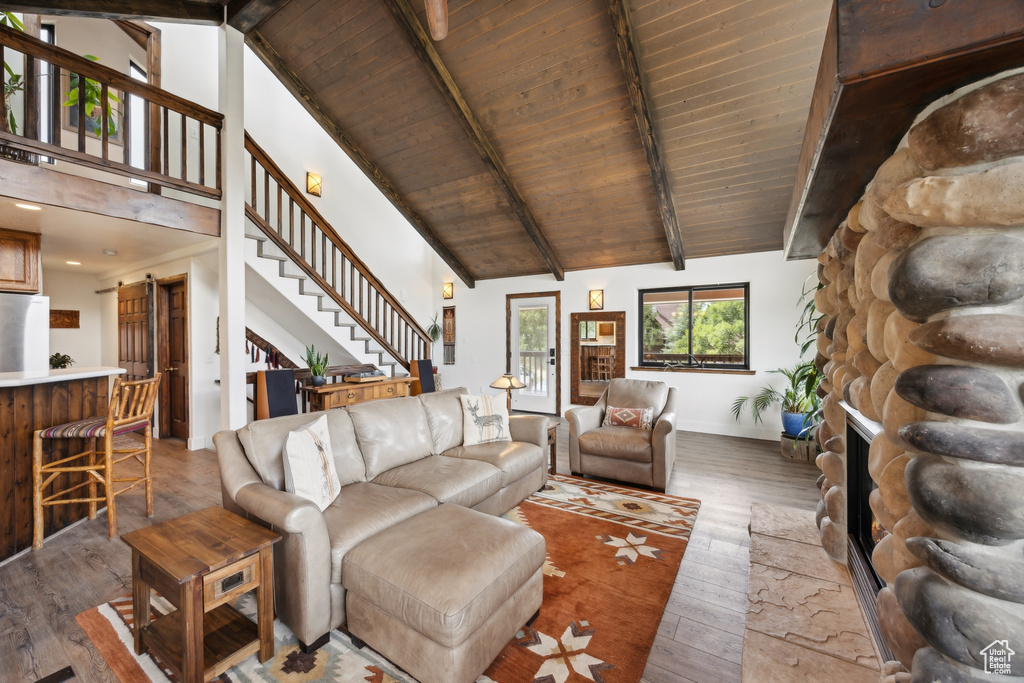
613	555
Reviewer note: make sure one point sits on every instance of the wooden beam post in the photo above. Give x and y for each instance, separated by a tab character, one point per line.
187	11
642	110
424	49
307	99
245	15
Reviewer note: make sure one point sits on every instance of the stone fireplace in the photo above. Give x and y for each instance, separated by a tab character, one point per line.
922	336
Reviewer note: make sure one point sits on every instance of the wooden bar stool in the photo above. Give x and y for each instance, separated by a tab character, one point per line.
604	367
131	410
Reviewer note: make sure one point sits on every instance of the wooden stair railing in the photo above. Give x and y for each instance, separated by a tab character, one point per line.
293	224
167	162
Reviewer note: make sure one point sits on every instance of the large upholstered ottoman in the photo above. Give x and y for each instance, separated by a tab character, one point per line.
443	592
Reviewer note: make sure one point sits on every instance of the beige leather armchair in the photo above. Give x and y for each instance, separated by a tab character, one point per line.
624	453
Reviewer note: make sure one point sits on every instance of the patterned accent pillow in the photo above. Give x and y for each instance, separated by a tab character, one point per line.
639	418
309	464
484	419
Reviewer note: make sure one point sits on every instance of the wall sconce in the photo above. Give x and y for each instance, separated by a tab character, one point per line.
596	299
448	290
314	184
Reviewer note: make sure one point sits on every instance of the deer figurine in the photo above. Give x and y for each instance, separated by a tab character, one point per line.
482	421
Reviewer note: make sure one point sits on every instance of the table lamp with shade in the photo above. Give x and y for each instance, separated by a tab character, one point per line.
508	382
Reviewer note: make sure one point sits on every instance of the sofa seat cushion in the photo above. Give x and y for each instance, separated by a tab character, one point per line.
515	459
364	509
448	480
622	443
443	573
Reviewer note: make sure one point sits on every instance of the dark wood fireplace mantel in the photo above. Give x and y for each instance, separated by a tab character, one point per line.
881	64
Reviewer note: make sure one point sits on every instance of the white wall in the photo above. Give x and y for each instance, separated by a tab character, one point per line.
73	291
704	398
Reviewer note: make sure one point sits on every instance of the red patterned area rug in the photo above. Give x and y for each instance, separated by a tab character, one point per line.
613	555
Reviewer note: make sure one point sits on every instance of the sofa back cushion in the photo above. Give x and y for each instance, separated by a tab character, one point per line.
444	415
391	433
263	442
637	393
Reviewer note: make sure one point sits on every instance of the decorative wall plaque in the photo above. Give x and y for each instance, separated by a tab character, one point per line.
64	320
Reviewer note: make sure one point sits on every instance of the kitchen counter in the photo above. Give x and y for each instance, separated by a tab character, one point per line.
38	400
21	379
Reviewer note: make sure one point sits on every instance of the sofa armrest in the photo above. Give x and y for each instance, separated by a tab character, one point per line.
286	512
663	443
581	420
302	560
529	429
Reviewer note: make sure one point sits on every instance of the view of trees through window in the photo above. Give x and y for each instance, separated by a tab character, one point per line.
696	326
533	348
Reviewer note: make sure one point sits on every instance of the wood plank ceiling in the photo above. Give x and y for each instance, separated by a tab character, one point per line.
728	83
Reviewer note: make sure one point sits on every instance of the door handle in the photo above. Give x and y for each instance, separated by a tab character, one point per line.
170	369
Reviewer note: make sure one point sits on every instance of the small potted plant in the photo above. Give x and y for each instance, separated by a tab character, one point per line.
799	400
59	361
317	363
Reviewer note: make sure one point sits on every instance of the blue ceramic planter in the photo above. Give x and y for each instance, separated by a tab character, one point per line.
793	424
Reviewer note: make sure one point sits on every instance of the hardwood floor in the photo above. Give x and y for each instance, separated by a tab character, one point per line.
700	637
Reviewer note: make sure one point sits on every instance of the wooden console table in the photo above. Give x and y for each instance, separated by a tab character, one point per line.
201	563
342	394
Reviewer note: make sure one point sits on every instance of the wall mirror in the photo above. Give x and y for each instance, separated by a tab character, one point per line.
598	353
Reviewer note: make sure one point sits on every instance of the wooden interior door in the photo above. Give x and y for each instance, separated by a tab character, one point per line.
172	339
134	330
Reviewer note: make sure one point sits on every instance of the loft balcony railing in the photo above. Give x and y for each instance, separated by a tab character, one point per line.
179	146
279	209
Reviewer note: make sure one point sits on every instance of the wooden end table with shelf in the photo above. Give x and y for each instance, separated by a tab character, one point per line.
201	563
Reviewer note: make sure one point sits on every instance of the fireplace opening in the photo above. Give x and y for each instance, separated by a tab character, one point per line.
864	529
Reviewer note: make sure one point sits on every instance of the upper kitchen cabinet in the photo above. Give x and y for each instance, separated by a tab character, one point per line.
19	261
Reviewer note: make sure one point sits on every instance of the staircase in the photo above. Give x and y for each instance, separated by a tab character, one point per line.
289	232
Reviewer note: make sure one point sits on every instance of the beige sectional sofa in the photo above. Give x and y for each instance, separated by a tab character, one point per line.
402	456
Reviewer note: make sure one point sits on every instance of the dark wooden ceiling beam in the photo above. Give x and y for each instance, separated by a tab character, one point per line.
626	44
185	11
245	15
424	49
305	96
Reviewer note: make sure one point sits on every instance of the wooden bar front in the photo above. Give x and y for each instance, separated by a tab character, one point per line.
23	410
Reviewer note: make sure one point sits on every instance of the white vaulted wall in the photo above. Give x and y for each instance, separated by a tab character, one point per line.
704	398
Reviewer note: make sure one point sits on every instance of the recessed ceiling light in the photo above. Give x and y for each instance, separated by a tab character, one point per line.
30	207
73	263
110	252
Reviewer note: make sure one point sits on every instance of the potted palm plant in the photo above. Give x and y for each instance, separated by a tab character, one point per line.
318	364
799	400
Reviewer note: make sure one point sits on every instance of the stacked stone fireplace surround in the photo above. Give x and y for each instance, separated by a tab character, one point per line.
923	331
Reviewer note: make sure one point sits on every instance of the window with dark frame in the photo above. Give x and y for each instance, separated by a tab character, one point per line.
49	92
695	327
137	124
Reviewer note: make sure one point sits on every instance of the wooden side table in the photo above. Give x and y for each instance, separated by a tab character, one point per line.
200	563
553	445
